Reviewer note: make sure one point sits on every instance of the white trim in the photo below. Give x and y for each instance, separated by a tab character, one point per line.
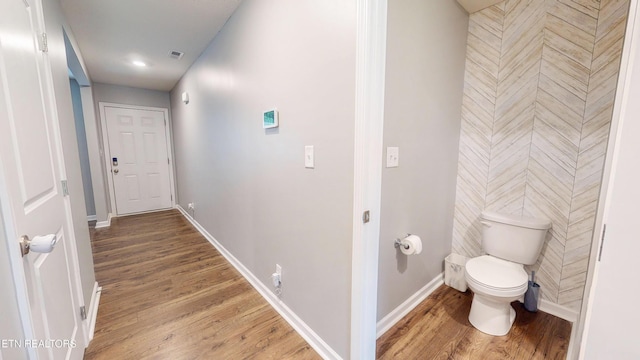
316	342
573	349
107	149
577	345
414	300
403	309
92	313
88	324
560	311
92	218
104	224
371	49
94	149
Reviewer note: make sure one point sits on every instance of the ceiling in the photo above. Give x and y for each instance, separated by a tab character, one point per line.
111	34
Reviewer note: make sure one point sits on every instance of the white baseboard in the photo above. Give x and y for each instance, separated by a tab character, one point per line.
104	224
315	341
403	309
92	312
573	351
92	218
558	310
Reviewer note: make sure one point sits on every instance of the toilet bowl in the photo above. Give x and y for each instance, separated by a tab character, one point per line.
499	278
495	284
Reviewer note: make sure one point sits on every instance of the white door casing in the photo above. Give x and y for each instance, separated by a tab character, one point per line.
610	327
138	158
369	126
31	192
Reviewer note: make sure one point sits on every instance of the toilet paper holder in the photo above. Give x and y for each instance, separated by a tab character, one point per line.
399	243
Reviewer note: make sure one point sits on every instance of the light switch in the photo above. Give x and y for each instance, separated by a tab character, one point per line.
308	157
393	157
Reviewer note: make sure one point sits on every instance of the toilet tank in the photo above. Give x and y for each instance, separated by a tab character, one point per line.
514	238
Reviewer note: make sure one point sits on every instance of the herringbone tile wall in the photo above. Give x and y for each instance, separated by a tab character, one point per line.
540	82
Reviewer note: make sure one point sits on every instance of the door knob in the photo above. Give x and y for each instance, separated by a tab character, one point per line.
39	244
116	171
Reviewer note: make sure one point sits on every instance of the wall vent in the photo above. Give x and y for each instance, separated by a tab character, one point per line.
176	54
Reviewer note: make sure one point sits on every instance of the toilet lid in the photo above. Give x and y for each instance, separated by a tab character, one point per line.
496	273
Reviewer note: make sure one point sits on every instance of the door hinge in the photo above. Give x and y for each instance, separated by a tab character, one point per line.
604	231
44	46
168	163
65	188
83	312
365	217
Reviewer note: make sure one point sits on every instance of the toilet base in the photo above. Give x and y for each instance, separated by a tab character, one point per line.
490	316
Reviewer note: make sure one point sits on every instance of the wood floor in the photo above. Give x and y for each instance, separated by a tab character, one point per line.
168	294
438	328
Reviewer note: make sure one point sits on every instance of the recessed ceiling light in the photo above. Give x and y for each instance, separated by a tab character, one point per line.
138	63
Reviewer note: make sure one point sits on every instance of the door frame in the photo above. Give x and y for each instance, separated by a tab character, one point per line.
107	150
630	51
371	51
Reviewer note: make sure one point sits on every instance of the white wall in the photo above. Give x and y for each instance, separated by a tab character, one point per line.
249	185
130	96
54	22
426	46
83	151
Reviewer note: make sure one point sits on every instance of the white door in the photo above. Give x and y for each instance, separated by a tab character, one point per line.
611	330
31	194
139	159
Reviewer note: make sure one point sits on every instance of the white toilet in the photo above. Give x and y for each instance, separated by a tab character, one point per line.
499	278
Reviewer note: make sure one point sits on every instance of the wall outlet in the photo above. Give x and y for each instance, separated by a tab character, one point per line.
191	206
276	277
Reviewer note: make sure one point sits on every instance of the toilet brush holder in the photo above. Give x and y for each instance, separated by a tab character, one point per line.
532	295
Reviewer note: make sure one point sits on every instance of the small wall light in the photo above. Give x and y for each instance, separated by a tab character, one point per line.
185	97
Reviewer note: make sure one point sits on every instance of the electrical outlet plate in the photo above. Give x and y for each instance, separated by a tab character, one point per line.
275	278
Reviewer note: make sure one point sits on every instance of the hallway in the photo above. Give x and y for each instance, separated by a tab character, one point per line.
168	294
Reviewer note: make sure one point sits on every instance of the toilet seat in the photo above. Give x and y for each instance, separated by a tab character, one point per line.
496	277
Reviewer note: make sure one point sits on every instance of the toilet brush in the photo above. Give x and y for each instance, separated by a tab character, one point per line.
532	294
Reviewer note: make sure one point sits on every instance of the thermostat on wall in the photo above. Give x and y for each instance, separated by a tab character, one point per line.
270	119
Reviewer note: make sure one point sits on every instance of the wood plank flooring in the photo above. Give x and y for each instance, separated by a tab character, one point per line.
438	328
168	294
